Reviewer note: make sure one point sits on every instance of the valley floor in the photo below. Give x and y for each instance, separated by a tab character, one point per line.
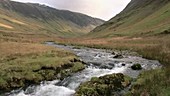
28	52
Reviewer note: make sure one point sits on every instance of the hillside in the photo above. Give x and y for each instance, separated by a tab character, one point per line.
143	27
28	18
139	18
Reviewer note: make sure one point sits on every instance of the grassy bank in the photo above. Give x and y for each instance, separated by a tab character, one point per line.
153	82
27	63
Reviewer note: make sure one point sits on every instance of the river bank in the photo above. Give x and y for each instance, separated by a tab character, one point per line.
32	63
99	63
153	82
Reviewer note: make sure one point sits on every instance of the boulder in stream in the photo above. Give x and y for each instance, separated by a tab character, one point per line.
136	67
123	64
106	66
118	56
113	53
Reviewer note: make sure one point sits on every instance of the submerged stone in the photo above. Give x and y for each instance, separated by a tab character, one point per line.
119	56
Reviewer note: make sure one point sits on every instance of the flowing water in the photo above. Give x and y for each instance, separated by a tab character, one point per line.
99	63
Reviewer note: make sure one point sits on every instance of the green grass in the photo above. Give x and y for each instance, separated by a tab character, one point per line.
154	82
77	67
33	66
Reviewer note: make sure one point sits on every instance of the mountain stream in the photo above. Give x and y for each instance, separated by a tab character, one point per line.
99	63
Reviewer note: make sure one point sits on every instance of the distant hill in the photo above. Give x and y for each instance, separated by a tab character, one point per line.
139	18
42	19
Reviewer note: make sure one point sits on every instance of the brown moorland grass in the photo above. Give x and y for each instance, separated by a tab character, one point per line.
10	36
10	48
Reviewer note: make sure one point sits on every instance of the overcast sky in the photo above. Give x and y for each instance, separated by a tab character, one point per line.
104	9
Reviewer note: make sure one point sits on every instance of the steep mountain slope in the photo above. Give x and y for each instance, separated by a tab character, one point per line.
139	18
41	19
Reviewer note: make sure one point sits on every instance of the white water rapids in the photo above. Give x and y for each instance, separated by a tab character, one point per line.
99	62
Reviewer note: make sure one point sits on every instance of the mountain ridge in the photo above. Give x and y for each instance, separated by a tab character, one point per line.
57	21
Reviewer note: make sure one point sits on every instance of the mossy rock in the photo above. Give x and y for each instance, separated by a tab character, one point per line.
104	86
136	67
86	91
